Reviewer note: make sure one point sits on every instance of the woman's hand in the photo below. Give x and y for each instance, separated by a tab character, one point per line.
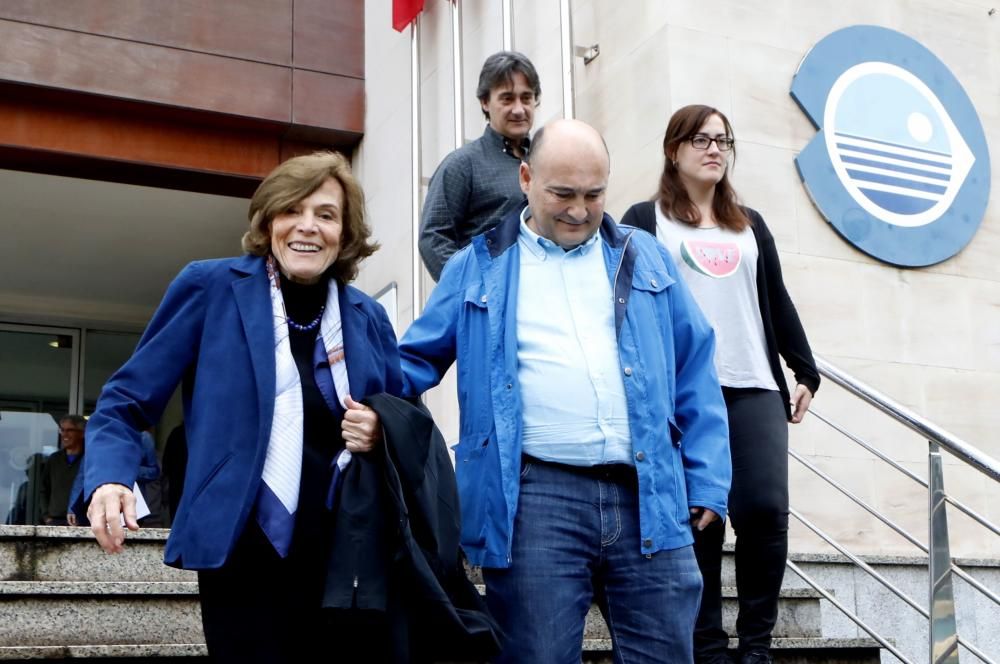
360	427
701	517
800	402
107	505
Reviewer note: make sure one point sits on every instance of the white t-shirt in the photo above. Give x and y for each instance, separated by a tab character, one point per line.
720	268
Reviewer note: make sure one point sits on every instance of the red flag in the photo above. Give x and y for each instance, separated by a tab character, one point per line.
404	11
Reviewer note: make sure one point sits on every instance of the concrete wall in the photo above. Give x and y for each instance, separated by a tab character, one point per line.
930	337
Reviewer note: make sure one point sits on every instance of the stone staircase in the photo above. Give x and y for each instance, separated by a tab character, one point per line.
62	598
798	634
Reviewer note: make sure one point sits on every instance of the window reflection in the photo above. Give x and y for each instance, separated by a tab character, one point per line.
26	440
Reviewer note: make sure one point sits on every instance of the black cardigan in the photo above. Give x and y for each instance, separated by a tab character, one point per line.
782	328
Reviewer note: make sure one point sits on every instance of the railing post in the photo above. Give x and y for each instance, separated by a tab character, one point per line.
942	628
566	39
456	56
416	182
507	12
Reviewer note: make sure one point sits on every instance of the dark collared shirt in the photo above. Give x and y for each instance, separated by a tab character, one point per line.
471	190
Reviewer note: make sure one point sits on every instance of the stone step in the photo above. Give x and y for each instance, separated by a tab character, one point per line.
164	653
784	651
595	651
79	613
47	553
798	614
156	613
68	619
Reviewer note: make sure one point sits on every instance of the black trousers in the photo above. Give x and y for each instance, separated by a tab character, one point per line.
261	609
258	607
758	509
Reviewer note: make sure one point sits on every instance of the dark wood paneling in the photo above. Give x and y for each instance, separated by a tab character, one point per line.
189	94
133	137
252	29
330	36
101	65
323	100
104	139
147	175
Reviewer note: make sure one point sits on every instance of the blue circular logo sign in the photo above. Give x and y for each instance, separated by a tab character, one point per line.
900	165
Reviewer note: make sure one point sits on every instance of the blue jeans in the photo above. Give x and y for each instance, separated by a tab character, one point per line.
576	540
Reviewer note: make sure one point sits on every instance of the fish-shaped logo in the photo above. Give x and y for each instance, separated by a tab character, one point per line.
900	165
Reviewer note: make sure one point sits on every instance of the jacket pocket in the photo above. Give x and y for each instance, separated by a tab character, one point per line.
651	281
469	448
472	353
680	483
675	432
476	295
471	476
209	477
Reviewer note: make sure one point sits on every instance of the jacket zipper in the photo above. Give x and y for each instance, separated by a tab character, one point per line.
621	259
614	289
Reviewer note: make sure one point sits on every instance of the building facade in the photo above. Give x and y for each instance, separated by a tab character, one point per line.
132	135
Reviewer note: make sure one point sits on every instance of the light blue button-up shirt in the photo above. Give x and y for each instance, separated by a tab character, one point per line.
573	395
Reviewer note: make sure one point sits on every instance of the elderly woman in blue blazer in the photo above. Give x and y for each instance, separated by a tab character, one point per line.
274	351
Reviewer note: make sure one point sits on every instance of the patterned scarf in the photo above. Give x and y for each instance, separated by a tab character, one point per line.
279	495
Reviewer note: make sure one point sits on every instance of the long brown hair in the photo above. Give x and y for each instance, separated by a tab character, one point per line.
673	196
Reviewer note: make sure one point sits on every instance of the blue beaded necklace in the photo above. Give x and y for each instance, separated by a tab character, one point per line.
308	327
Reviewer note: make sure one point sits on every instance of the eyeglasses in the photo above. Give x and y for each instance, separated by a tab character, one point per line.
702	141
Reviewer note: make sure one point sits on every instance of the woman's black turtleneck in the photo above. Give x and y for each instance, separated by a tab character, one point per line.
321	435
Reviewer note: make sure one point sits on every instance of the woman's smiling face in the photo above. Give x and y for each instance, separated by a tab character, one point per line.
305	239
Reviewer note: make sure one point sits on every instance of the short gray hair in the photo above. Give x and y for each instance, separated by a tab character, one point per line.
79	420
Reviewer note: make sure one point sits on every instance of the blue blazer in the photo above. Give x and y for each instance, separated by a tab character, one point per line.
213	332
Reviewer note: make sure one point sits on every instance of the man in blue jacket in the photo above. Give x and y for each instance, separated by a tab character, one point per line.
593	432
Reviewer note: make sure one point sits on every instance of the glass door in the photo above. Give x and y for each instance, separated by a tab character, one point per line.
39	383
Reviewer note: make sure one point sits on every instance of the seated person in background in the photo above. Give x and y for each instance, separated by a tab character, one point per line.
61	470
174	465
148	480
25	511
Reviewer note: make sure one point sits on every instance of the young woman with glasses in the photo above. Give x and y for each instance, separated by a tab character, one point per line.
728	259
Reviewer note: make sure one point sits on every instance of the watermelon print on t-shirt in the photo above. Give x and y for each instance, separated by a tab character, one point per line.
712	259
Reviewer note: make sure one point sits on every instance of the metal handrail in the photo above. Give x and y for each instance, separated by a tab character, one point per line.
868	508
959	505
944	639
889	522
847	612
888	585
928	430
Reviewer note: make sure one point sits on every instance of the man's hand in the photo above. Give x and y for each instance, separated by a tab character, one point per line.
108	504
701	517
800	402
360	427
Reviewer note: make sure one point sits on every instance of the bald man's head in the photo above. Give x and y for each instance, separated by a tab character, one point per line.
565	178
585	131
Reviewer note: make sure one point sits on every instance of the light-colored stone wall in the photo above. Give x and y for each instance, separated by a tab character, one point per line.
930	338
